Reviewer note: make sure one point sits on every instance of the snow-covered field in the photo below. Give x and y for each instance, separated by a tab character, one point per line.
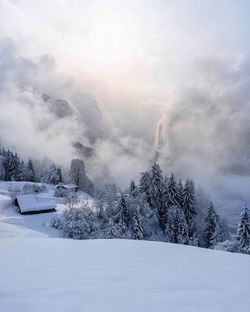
47	275
44	273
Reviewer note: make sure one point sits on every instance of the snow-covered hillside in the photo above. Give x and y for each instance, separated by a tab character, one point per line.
48	275
44	273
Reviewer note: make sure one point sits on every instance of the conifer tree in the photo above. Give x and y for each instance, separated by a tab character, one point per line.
170	198
122	212
59	174
7	156
111	230
133	189
2	168
123	230
172	191
163	215
13	166
53	175
189	200
180	193
23	171
144	185
137	230
155	187
189	206
212	227
176	227
243	230
31	172
151	184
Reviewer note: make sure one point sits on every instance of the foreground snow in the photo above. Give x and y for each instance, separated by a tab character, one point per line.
42	273
47	275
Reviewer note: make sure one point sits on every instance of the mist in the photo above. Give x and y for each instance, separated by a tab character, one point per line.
122	84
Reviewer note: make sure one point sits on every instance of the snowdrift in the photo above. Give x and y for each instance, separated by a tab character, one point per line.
48	275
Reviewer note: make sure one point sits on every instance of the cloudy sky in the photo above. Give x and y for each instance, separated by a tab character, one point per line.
122	67
148	42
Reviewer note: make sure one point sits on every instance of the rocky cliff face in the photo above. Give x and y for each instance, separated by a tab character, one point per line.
58	107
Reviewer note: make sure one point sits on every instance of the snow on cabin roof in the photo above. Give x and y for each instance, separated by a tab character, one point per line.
29	203
71	186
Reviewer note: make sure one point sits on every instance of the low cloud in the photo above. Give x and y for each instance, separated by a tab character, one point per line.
205	128
44	114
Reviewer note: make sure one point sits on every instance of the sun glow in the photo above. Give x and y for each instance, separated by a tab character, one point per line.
112	40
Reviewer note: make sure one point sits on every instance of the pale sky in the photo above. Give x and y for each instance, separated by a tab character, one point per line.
186	62
136	43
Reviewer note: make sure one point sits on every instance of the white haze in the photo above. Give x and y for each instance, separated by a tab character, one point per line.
124	67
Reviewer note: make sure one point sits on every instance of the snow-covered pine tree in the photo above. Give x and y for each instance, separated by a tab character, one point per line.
30	173
243	229
2	168
172	192
189	206
59	175
170	197
14	172
153	226
176	228
6	157
77	168
100	211
155	188
111	230
212	227
123	229
183	230
144	185
11	166
122	211
148	216
133	189
137	229
163	216
53	175
180	193
106	197
23	171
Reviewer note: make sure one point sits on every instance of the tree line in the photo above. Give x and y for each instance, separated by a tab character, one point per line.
13	168
158	208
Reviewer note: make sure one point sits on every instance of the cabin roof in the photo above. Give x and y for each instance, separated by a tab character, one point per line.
71	186
29	203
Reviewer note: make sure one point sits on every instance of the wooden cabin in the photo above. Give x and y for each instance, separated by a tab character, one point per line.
68	187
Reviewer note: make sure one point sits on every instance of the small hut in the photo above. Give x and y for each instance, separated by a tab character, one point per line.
68	187
28	204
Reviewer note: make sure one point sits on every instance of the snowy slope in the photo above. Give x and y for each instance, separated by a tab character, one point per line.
48	275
